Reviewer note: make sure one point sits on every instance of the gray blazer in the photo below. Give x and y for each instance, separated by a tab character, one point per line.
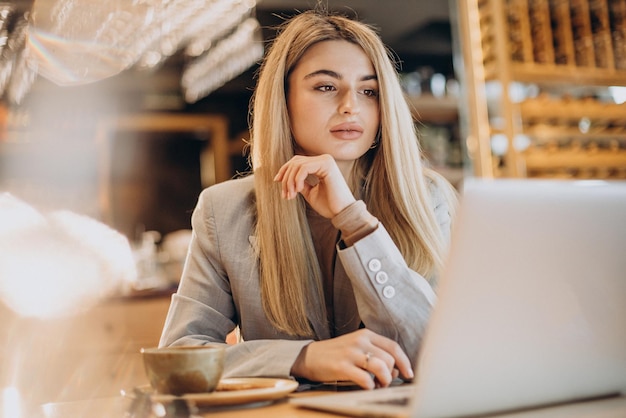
219	288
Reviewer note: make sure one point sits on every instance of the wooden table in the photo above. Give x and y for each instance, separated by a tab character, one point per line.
93	354
276	409
116	407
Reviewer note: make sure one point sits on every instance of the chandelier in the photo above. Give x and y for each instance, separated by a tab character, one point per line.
73	42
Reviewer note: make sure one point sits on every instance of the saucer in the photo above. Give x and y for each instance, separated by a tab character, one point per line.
232	391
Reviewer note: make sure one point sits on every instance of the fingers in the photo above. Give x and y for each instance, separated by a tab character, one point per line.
298	175
301	171
381	358
386	359
319	180
378	372
393	356
363	357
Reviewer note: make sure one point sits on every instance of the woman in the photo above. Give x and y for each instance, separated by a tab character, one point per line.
324	257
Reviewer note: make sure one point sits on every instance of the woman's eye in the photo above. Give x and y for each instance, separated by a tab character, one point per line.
327	87
370	92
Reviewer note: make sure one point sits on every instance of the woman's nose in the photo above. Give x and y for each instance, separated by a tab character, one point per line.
349	102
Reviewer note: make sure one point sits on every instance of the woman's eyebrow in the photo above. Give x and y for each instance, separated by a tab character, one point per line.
329	73
336	75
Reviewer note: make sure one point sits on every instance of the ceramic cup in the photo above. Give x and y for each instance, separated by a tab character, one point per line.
184	369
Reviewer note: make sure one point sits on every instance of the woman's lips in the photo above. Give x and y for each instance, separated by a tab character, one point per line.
347	131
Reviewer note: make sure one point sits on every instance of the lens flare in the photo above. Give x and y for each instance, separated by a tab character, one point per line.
59	264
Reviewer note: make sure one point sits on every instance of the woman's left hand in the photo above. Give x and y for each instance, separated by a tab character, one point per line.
363	357
319	180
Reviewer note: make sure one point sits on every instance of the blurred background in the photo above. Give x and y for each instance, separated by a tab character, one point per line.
124	111
129	129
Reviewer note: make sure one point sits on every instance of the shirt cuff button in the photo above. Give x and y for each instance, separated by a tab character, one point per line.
374	265
381	277
389	292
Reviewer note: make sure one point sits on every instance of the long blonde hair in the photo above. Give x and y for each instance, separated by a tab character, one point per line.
390	178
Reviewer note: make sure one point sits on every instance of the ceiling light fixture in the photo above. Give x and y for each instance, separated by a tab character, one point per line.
227	59
73	42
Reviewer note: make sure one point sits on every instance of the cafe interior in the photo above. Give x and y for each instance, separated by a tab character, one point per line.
115	115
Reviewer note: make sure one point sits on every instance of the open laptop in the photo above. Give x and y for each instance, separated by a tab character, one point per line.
531	306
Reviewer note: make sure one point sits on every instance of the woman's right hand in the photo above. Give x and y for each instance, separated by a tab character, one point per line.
319	180
363	357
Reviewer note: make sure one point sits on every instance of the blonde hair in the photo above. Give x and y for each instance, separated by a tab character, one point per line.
390	178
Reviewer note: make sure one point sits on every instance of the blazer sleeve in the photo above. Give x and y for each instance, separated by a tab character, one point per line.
203	309
392	299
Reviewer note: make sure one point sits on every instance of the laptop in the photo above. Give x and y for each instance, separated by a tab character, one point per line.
531	306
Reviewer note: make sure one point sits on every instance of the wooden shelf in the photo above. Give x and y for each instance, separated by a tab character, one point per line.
564	74
546	159
214	161
548	133
545	109
563	47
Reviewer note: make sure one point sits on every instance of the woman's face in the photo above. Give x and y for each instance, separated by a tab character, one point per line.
333	102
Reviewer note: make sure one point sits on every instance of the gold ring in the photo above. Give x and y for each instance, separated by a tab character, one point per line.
368	355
